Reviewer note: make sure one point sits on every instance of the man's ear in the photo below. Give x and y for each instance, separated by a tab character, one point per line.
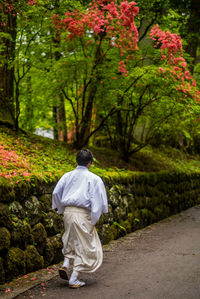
88	165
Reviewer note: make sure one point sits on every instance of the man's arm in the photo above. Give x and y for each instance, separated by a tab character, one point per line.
57	194
99	202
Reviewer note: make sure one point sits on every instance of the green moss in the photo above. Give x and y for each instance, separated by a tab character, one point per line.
113	197
2	271
140	201
45	201
196	182
39	237
136	221
23	190
33	209
106	218
15	263
53	251
147	216
34	260
127	224
119	214
7	193
114	232
4	238
121	230
161	212
163	186
16	208
21	233
138	190
49	252
107	233
5	219
52	222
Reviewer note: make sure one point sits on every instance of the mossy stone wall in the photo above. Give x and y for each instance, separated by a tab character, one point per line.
146	198
30	232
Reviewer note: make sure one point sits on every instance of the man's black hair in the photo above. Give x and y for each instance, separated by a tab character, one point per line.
83	157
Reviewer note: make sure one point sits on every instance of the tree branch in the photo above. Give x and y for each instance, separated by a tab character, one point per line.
112	111
70	101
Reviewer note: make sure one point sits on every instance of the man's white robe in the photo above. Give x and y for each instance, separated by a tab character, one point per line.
81	196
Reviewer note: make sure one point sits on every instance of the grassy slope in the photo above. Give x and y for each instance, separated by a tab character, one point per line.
27	157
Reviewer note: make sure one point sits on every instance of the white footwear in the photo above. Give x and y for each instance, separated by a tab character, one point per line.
76	284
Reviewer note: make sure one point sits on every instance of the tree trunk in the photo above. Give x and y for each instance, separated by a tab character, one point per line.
55	125
193	36
85	125
59	114
61	119
120	132
27	121
7	55
17	106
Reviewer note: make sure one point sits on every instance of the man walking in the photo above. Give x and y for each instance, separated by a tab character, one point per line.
81	196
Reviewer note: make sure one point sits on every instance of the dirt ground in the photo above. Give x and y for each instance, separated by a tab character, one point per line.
159	262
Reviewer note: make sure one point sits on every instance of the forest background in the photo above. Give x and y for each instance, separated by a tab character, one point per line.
110	73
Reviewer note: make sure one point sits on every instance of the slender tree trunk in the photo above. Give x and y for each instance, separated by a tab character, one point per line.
28	122
30	113
119	132
193	32
7	55
17	106
59	113
55	125
84	128
61	116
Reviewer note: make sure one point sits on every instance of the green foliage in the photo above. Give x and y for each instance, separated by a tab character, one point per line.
119	226
48	160
47	66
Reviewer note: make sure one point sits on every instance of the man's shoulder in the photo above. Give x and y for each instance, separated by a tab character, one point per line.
66	174
95	177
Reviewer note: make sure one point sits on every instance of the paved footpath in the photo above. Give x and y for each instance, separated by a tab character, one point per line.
159	262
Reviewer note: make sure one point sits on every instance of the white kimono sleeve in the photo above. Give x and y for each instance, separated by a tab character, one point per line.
57	195
99	202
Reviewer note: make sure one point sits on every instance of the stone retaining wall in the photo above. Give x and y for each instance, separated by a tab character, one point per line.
30	232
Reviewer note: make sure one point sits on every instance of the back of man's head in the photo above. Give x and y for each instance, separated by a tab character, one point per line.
83	157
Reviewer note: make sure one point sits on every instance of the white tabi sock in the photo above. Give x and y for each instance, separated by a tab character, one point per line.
73	277
66	263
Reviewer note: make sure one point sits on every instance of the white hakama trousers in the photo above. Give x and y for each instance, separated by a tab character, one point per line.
81	241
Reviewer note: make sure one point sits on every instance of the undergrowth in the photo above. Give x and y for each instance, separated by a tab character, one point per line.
26	157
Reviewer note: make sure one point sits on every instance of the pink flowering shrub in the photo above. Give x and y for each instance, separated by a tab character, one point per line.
22	159
175	66
104	19
13	163
31	2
